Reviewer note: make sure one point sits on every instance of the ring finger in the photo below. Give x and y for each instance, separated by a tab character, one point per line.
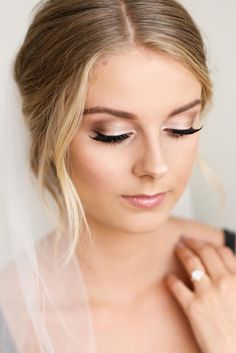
192	262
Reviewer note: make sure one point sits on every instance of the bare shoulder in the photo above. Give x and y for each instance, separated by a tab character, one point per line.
198	230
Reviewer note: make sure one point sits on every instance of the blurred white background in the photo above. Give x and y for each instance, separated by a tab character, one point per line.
217	145
216	20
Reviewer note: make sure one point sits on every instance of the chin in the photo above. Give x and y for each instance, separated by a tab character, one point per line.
144	223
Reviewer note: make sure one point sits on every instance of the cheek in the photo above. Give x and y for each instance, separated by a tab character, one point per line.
184	159
95	172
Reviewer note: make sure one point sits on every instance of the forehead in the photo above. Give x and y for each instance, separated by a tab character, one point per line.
140	80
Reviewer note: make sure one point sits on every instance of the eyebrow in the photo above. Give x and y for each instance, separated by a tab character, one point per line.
131	116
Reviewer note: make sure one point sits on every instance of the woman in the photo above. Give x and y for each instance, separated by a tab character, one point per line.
113	95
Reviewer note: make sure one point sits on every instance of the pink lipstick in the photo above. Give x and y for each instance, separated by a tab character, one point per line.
145	201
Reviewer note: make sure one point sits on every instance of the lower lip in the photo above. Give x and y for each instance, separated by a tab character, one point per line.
145	202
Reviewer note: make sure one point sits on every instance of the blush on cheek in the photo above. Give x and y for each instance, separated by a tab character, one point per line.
91	174
184	164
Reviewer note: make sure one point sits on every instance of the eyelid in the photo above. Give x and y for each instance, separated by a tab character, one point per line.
109	127
115	140
189	115
183	124
112	128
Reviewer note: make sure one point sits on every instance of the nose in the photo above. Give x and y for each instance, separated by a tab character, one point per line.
151	161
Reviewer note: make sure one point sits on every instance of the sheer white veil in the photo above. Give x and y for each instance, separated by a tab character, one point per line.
44	304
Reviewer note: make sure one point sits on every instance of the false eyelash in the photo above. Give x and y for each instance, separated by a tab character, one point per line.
175	133
117	139
111	139
184	132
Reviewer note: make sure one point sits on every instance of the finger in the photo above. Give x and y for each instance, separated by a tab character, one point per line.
181	292
228	257
190	262
209	256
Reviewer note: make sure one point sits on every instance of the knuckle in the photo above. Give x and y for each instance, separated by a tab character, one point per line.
191	262
204	251
226	250
223	283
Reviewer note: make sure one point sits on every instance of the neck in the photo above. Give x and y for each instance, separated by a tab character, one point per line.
122	268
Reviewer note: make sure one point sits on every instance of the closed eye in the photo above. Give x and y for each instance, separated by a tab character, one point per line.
117	139
190	131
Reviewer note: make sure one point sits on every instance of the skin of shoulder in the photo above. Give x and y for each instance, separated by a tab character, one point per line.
199	230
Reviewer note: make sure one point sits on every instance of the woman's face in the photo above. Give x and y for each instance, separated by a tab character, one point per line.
157	94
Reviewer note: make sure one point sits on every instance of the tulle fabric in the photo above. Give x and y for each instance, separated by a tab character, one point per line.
44	306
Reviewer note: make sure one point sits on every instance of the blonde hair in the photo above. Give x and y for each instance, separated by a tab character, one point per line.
64	42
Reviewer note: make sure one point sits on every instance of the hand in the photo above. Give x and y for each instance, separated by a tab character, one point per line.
211	306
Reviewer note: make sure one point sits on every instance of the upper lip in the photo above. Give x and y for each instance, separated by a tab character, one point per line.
143	195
